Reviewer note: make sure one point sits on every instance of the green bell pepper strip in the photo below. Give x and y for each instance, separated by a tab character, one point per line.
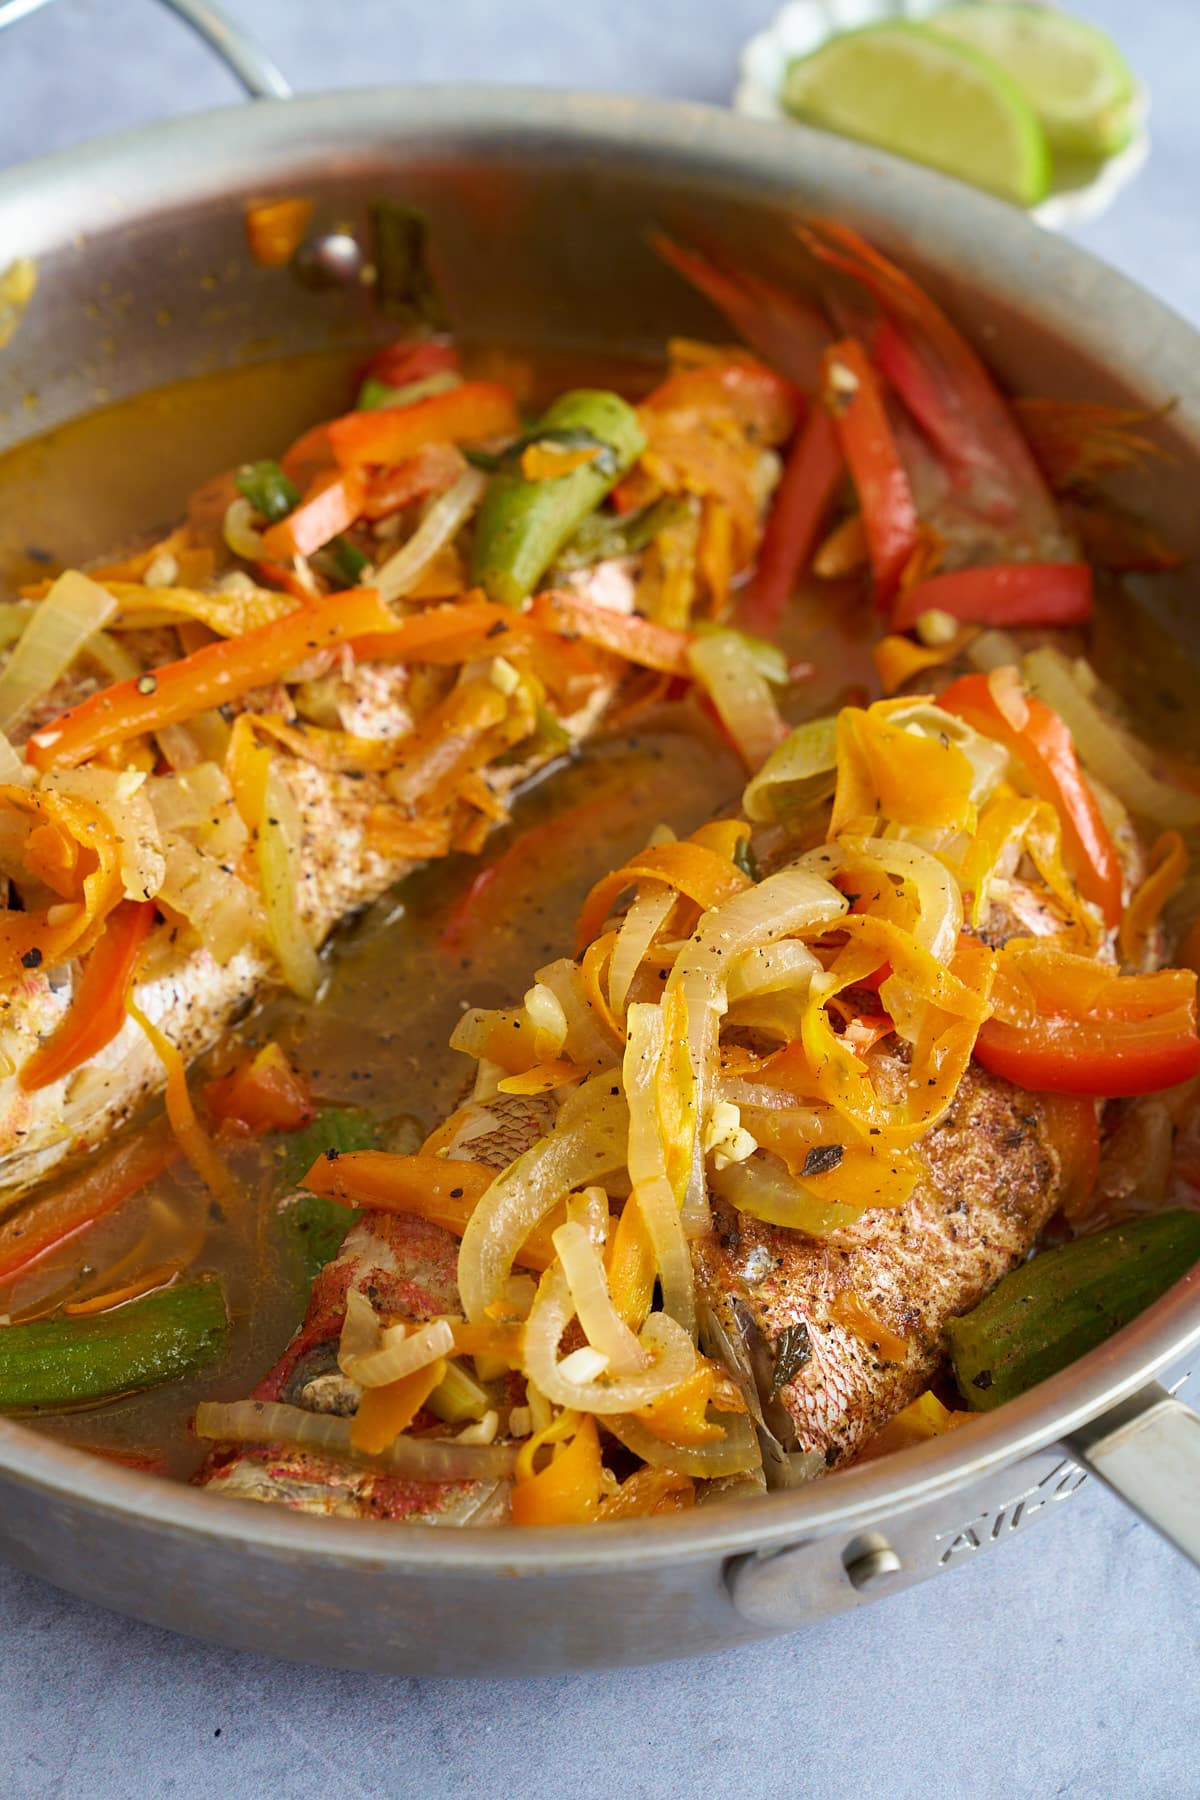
64	1362
522	524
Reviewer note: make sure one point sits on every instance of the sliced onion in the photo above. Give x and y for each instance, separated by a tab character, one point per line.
586	1044
647	1163
14	617
763	1189
60	626
668	1356
729	1455
992	649
239	532
416	1458
199	803
603	1327
280	851
441	524
1104	749
798	775
373	1354
588	1142
121	796
110	654
548	1019
939	899
787	966
14	770
646	916
726	667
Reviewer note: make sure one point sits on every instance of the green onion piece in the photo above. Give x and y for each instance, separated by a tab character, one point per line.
344	560
745	859
314	1227
374	394
404	286
66	1362
268	490
606	535
798	775
767	658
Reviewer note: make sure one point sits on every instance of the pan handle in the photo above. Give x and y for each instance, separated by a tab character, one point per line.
1147	1450
237	50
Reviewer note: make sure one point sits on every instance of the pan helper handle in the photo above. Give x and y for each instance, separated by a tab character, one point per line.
250	65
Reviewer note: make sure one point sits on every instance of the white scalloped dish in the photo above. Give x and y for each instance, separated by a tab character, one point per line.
1082	190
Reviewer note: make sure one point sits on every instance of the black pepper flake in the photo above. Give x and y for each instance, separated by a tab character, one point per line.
32	959
331	1155
822	1159
147	684
982	1381
456	1193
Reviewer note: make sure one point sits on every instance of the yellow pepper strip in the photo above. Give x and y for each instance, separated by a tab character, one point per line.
898	659
384	1412
542	1078
852	1312
190	1135
715	554
680	1416
862	1177
336	750
689	868
722	836
392	834
904	776
247	765
593	970
500	1338
72	847
1167	867
1003	822
567	1491
647	1492
1043	841
675	1093
923	1419
229	615
547	461
632	1266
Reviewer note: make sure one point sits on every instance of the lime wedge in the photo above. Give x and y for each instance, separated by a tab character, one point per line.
1072	74
902	88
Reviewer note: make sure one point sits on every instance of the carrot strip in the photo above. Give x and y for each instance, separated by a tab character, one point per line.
210	677
700	874
97	1010
473	411
638	640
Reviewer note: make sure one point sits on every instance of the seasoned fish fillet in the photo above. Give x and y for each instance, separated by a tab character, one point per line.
991	1178
184	990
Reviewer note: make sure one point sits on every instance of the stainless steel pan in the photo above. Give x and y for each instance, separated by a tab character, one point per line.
538	205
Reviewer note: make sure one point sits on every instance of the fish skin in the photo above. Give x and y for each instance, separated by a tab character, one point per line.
192	998
991	1178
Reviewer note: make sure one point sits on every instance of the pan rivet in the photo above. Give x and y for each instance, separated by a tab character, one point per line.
870	1560
332	260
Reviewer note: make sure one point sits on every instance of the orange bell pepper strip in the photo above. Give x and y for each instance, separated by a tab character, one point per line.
209	677
454	633
1074	1129
1089	1030
758	400
680	1416
98	1189
806	492
190	1135
330	506
1006	595
262	1094
466	414
567	1491
853	397
384	1412
97	1011
631	1264
647	1492
1044	747
275	230
851	1311
897	659
1168	866
73	849
691	869
638	640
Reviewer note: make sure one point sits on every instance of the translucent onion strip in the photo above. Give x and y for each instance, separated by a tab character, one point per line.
588	1143
736	1451
669	1356
14	770
58	629
604	1329
647	1163
441	524
392	1351
280	848
416	1459
641	925
1103	748
938	897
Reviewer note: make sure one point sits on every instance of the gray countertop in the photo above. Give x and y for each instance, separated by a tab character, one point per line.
1067	1661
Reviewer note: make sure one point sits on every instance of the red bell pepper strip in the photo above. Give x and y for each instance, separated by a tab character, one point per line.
1105	1055
1005	595
476	410
852	395
209	677
97	1011
638	640
399	365
98	1189
261	1094
330	506
1044	747
806	491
